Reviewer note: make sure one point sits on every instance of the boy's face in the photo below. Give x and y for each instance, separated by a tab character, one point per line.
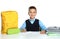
32	13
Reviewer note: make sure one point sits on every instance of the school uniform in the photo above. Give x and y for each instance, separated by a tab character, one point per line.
33	25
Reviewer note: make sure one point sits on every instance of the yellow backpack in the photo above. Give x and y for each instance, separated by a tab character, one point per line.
9	20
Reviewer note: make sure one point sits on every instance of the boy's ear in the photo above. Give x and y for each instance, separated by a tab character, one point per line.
28	13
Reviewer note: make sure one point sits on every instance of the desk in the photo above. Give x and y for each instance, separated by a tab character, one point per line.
28	35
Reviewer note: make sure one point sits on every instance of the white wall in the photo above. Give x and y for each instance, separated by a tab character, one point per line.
48	10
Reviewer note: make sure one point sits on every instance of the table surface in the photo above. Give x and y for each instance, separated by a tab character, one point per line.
28	35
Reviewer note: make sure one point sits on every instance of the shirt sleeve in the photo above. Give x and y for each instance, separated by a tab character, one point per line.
23	26
42	26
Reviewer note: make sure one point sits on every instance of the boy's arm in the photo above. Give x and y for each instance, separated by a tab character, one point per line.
43	28
22	28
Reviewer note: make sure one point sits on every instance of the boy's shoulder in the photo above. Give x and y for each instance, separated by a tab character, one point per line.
37	19
26	19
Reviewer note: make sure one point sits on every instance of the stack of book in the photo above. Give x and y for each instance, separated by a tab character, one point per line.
53	31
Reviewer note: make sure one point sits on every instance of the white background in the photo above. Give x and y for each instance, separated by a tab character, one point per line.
48	11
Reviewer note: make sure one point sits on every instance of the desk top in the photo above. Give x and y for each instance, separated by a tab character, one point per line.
28	35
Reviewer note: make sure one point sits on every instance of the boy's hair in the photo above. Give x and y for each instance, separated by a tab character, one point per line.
32	7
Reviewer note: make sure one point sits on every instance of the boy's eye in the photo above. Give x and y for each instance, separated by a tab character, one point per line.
32	12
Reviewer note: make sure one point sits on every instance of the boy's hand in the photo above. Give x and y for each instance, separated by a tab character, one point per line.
24	30
43	32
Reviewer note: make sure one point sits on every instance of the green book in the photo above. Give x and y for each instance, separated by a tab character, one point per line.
53	34
13	31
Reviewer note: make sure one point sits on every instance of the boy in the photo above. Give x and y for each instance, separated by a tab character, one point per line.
33	24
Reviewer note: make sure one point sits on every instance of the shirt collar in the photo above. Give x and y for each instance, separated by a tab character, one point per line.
32	19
